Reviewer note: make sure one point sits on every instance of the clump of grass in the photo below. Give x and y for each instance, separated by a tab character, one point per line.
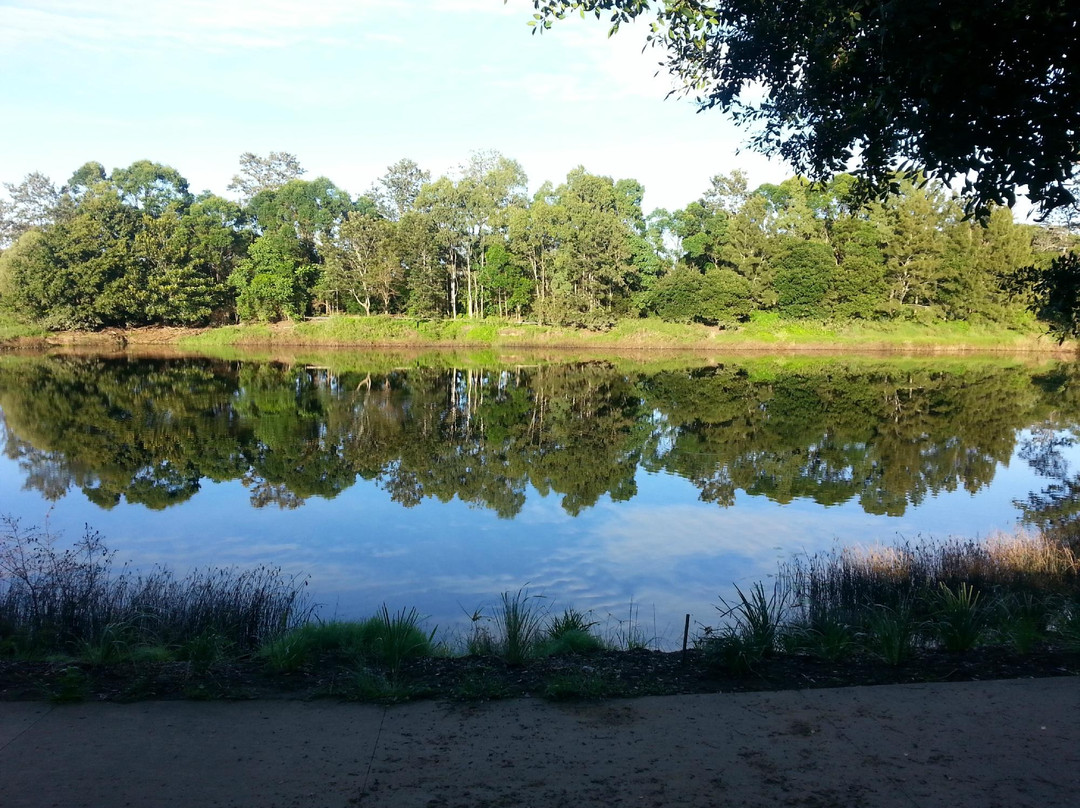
756	618
519	619
1069	626
750	631
399	638
728	650
205	648
892	633
961	620
69	686
628	634
571	633
375	686
386	639
480	639
830	637
957	592
570	621
846	581
1022	621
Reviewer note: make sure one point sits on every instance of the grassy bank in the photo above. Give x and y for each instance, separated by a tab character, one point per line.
72	625
762	334
11	329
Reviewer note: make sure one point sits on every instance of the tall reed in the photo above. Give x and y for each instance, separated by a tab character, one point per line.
844	582
53	598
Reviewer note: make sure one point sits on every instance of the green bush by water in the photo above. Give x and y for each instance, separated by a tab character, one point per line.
385	639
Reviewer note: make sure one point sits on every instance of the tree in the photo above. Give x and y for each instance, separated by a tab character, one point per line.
858	284
33	204
746	247
151	187
979	263
504	281
165	284
804	272
396	191
264	173
912	224
218	235
421	255
312	209
533	240
987	92
490	185
86	177
72	274
363	263
1054	294
594	261
276	278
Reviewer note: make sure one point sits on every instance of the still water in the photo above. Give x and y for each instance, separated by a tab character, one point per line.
621	488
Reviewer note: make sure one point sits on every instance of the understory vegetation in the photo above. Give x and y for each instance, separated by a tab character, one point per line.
71	611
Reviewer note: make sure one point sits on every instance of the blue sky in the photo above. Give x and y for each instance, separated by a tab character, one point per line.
349	86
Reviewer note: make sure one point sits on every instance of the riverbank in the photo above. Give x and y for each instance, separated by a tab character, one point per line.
927	612
1010	743
761	335
595	676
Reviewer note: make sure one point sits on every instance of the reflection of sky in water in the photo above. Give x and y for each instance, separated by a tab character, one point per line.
664	550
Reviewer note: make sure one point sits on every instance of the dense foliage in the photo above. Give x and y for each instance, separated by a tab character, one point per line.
136	247
985	92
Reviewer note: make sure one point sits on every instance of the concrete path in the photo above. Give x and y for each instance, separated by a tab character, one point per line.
1010	744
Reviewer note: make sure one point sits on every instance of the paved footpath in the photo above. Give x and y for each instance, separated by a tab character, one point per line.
1006	744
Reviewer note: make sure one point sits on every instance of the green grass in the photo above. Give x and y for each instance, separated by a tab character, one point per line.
480	685
519	619
765	332
729	650
386	639
11	328
583	686
571	633
961	618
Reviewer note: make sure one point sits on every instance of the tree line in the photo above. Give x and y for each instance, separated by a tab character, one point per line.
136	247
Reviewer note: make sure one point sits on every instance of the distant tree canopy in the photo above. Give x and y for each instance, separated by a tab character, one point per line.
986	91
135	247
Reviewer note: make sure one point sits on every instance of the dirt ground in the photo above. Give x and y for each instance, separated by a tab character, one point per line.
999	743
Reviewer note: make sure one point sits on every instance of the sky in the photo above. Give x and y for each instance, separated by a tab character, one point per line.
349	87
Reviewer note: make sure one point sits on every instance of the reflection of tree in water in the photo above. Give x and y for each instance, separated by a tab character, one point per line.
142	431
1042	451
884	434
1055	509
